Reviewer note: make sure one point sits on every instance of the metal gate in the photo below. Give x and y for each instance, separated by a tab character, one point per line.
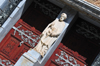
63	56
19	39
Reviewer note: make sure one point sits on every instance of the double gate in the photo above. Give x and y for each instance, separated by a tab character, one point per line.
20	39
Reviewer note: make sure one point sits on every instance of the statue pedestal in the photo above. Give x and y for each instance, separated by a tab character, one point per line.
29	58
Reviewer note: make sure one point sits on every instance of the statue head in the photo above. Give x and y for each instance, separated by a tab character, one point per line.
63	17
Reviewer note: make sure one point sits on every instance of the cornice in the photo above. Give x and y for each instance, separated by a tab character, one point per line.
84	7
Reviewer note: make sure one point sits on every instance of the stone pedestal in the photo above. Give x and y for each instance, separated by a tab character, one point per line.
29	58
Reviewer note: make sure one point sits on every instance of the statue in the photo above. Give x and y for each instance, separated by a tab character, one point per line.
50	34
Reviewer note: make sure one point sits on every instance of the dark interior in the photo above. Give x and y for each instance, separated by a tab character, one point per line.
38	17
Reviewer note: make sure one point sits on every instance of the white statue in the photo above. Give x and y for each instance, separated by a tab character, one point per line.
50	34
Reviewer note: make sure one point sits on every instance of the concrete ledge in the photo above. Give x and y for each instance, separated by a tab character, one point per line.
32	55
23	61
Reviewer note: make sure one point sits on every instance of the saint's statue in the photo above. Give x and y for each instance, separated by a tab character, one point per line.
50	35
